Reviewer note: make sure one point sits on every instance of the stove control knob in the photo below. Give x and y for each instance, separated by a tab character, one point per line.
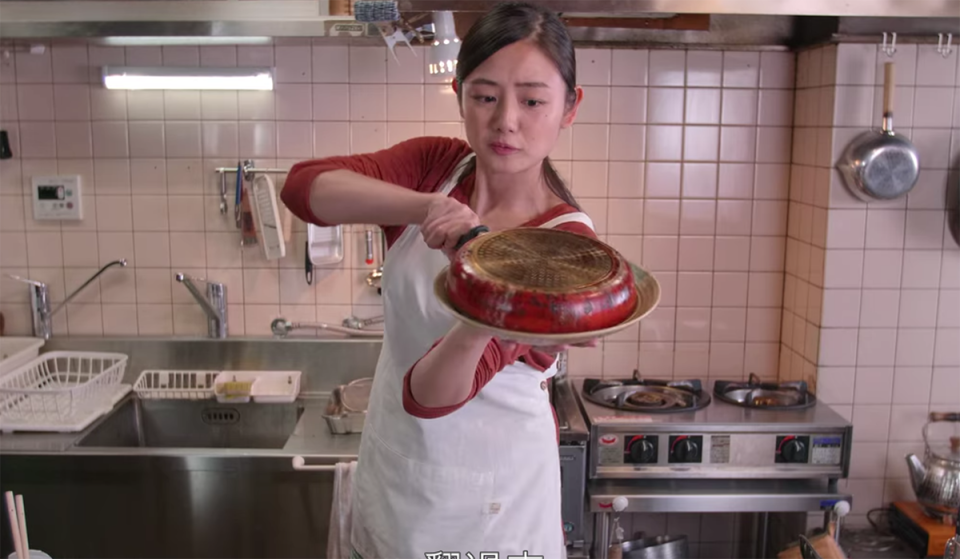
643	452
685	450
794	452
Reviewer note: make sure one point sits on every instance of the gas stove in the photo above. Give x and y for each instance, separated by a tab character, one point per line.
742	447
750	430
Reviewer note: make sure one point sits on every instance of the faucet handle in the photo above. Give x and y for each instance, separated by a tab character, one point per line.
34	283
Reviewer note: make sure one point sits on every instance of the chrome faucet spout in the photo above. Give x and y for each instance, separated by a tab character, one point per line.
214	303
41	311
121	262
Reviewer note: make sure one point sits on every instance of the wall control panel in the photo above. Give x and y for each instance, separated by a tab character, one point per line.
57	198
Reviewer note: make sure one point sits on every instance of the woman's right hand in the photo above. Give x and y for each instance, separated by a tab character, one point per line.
447	220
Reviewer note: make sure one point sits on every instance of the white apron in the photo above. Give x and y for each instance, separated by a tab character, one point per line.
483	478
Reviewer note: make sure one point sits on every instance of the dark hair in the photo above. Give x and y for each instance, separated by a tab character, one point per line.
509	23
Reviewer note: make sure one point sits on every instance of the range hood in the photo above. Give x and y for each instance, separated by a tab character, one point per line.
858	8
723	22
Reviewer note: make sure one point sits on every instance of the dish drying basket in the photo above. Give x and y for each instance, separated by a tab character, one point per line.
58	385
176	385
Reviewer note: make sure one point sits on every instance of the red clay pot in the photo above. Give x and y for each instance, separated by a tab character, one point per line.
601	294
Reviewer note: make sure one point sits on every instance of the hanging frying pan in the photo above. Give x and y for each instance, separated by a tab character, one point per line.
881	164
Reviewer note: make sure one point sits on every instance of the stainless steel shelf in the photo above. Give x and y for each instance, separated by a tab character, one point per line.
715	495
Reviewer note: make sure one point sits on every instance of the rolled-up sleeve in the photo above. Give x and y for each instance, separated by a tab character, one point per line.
418	164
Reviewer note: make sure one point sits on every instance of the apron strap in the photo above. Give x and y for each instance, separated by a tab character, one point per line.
578	217
452	179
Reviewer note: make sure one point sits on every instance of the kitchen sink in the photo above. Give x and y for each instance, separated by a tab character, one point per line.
195	424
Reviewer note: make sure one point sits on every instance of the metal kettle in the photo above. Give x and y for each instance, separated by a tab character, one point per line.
936	480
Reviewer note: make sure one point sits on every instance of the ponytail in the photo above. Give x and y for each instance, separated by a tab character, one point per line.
556	184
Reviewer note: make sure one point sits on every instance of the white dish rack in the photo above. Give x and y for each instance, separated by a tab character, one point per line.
61	391
175	385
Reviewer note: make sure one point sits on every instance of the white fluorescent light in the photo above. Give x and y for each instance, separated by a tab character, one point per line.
130	77
181	40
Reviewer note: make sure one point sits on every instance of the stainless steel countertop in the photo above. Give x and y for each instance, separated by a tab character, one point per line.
325	365
311	438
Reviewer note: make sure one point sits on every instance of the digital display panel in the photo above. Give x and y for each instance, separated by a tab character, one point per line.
50	192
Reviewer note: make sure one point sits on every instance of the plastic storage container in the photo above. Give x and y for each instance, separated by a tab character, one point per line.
15	351
276	387
266	387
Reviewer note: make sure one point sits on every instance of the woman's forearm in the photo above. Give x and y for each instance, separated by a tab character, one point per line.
445	376
343	196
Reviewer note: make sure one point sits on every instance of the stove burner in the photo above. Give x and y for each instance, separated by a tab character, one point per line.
653	397
646	396
765	396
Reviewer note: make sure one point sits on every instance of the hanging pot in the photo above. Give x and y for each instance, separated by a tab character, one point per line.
881	164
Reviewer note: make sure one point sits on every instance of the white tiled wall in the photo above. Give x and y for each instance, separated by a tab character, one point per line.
692	150
872	295
147	158
680	157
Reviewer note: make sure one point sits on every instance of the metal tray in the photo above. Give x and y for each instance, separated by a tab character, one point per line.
339	420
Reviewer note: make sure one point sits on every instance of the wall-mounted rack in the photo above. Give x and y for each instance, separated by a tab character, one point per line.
248	169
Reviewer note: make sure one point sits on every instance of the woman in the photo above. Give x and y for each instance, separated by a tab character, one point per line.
459	449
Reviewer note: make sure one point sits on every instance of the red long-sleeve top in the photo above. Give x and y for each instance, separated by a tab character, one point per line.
422	164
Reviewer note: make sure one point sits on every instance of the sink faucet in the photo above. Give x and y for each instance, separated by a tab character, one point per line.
41	312
214	304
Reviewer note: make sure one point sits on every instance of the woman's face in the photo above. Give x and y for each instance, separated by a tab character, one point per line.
514	106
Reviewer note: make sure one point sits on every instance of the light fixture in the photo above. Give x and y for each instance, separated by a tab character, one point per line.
153	41
130	77
442	55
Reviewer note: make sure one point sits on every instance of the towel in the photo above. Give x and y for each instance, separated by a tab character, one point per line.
338	539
